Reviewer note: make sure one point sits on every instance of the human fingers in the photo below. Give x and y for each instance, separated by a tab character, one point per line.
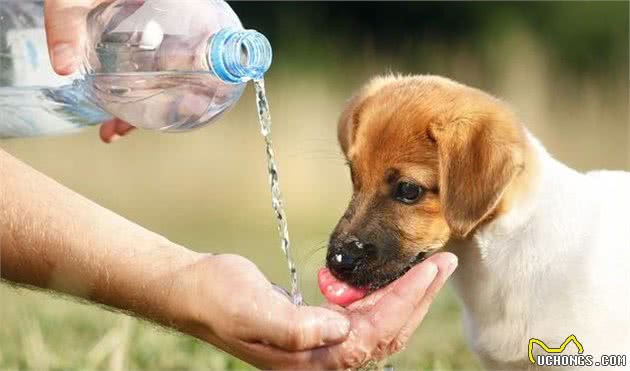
113	129
65	27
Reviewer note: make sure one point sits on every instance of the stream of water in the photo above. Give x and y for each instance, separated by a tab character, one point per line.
276	196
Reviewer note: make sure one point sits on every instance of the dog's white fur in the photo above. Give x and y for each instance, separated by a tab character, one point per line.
556	264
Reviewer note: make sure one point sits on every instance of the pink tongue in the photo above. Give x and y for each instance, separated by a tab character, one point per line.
338	292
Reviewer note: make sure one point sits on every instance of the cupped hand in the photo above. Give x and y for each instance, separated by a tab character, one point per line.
65	30
237	309
383	322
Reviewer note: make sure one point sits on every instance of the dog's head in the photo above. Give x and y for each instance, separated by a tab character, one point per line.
430	160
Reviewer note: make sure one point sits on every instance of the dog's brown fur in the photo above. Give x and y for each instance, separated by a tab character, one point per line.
463	146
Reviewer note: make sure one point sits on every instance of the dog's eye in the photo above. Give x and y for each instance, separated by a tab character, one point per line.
407	192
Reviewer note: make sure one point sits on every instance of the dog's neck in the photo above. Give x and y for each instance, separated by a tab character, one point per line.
533	191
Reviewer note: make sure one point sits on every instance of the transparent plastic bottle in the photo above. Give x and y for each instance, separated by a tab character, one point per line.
158	64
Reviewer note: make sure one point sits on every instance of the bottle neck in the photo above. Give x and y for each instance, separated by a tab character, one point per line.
237	56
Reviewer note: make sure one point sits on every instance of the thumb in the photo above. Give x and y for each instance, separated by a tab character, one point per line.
65	27
297	328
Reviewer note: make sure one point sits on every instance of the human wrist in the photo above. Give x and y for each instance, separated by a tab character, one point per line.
190	307
149	282
174	293
216	294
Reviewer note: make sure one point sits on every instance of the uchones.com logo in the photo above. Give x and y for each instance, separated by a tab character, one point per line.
554	356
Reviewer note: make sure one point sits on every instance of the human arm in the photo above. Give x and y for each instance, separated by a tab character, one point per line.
54	239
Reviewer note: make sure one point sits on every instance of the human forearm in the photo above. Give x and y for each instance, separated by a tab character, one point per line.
53	238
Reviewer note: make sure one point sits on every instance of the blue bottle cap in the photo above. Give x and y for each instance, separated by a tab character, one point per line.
237	56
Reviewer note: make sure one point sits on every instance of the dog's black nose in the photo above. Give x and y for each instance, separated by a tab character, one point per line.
347	257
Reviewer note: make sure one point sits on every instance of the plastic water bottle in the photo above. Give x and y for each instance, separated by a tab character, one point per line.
158	64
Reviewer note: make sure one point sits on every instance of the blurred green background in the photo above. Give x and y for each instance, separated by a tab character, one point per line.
563	66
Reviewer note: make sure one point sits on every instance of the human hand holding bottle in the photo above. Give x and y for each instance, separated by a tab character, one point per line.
65	27
152	63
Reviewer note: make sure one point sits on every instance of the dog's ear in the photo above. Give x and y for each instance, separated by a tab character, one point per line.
348	122
351	115
478	158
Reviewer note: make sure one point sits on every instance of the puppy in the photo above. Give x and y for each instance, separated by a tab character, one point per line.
544	251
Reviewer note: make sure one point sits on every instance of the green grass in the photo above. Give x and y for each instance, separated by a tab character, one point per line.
41	332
